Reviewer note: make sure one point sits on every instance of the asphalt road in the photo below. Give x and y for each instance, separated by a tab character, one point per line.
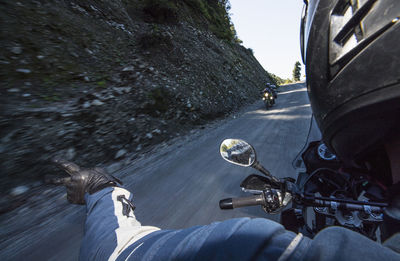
180	185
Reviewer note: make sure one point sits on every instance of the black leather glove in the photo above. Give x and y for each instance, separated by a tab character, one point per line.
84	180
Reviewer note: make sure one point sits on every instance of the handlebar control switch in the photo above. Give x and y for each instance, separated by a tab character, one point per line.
273	201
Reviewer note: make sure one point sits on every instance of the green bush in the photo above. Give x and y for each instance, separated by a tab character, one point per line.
160	100
155	39
161	11
216	14
199	6
101	84
276	79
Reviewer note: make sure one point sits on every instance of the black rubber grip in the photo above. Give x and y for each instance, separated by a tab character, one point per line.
226	203
248	201
230	203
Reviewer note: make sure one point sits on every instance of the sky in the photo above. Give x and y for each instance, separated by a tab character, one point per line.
272	29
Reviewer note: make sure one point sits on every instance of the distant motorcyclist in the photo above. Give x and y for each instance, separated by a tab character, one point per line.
270	89
268	96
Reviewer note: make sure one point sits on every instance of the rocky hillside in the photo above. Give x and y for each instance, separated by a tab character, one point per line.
100	81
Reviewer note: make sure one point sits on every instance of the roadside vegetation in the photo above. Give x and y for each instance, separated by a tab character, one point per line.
297	71
211	14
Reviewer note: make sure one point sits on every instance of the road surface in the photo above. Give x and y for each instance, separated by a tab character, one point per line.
180	185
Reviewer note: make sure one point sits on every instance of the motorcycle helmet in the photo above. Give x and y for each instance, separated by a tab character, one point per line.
352	55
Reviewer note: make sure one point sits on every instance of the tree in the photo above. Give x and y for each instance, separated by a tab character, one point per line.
297	71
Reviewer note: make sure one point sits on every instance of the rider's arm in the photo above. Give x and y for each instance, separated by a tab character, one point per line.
338	243
111	232
110	224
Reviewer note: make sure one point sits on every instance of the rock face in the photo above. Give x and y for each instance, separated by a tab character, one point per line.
95	81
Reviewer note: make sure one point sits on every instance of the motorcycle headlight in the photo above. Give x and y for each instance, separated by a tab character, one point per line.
266	95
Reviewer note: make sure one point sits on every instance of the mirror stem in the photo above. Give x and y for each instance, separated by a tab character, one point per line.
264	171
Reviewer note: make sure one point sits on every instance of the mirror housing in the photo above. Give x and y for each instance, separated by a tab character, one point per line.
238	152
241	153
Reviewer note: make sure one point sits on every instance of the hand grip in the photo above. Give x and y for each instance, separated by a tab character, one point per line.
226	203
231	203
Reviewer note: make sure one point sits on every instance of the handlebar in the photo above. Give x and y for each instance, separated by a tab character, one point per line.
368	208
231	203
269	200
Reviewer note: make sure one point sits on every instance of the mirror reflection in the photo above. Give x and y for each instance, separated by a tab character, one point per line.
238	152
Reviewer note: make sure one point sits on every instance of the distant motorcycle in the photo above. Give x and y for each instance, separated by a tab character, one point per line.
268	98
322	196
